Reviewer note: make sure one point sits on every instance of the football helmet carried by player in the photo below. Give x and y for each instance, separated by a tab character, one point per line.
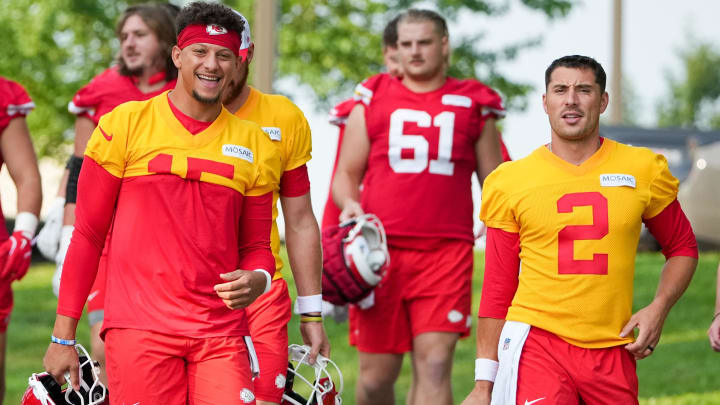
44	390
311	384
355	259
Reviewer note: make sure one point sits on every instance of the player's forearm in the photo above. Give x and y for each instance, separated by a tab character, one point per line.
65	327
305	255
674	280
254	238
345	187
488	334
29	191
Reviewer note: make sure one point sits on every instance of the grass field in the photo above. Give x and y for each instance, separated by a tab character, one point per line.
683	370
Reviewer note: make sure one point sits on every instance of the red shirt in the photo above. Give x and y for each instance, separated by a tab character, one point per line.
108	90
422	154
177	209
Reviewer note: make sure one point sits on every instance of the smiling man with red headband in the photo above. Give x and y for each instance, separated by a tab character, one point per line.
188	189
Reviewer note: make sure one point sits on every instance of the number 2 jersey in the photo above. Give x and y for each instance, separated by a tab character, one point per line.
184	208
578	230
422	154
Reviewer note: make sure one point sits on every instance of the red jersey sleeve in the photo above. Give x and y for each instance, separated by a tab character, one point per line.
339	114
672	230
295	182
14	102
489	102
97	193
254	237
502	265
86	101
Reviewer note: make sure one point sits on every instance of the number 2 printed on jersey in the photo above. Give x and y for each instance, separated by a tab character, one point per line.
570	233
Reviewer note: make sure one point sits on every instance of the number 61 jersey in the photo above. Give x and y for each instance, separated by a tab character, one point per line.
422	154
579	228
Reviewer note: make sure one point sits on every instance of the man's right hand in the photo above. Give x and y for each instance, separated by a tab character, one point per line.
480	395
60	360
351	209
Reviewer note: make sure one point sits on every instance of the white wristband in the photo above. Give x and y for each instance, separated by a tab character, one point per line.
485	369
268	279
309	303
26	222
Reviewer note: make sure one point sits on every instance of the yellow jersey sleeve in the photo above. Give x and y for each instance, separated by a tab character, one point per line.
663	188
108	143
268	166
299	147
495	209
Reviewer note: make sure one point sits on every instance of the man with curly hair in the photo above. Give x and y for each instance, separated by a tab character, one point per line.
187	188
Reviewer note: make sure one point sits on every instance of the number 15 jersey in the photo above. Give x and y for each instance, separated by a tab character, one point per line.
578	228
422	154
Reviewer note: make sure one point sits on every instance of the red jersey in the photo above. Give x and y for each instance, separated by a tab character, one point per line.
108	90
14	102
183	207
338	116
422	154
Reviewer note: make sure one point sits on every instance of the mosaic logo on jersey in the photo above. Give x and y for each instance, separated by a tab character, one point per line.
617	180
274	133
238	152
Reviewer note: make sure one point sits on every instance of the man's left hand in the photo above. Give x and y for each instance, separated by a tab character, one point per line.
649	321
242	288
313	335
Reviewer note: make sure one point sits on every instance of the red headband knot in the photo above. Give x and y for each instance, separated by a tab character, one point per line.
209	34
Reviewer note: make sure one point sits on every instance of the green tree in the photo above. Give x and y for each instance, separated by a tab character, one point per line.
53	47
694	97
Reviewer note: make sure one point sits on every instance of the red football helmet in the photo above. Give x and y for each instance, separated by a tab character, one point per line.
327	381
44	390
355	259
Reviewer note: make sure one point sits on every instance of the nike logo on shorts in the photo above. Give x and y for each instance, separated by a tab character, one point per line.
532	402
108	137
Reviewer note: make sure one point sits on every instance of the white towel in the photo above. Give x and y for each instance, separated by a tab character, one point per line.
512	340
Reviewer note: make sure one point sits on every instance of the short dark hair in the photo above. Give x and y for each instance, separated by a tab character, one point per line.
209	13
162	23
390	37
415	14
578	62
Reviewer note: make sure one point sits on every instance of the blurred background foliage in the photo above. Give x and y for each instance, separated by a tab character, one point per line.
53	47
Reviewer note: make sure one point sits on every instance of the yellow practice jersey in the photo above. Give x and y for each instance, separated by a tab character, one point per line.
286	126
578	228
143	138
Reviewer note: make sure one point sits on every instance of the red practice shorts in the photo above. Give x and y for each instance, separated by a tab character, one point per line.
561	373
6	303
423	291
96	298
152	368
268	318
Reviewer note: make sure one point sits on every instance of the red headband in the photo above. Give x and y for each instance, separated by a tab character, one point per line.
209	34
